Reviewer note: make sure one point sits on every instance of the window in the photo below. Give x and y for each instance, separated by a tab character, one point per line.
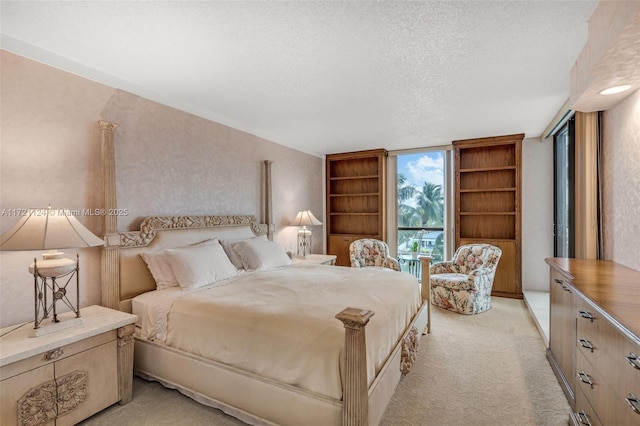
564	200
421	205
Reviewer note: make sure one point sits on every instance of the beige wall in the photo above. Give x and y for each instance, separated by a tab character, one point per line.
621	182
537	212
168	162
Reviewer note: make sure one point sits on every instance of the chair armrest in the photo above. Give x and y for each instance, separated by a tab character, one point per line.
444	267
392	263
482	279
480	272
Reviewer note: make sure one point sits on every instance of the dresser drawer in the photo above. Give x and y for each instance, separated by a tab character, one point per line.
626	360
584	414
596	390
625	415
55	354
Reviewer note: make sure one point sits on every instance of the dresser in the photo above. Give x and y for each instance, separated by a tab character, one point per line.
66	376
594	339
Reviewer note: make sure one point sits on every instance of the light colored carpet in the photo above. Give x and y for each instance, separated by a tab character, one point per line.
486	369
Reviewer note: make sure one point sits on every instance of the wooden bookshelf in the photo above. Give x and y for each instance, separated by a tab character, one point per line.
356	206
488	203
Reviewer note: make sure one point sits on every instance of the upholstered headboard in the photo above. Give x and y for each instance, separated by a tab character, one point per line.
159	233
124	272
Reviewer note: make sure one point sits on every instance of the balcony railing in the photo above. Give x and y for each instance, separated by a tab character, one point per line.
430	243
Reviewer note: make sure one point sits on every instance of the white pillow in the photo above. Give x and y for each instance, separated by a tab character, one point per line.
160	267
233	254
261	254
198	266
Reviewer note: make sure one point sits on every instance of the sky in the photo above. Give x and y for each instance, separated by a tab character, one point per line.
422	167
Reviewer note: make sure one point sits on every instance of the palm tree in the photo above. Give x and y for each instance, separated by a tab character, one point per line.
406	213
431	205
438	250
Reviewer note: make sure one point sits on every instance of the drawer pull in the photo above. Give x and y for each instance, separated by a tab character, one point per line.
584	378
557	281
586	315
54	354
566	288
633	402
586	344
584	418
634	360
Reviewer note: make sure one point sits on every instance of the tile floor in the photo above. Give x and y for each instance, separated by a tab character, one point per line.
538	304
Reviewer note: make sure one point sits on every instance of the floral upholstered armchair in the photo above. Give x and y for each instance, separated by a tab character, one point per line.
464	284
370	252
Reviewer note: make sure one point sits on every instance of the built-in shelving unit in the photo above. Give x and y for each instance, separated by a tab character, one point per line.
487	202
355	200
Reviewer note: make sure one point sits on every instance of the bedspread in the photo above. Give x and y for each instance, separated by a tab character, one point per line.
281	323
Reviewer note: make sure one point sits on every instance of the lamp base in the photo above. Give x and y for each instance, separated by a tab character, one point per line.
304	242
53	327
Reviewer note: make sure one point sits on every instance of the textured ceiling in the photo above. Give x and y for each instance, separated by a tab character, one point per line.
323	77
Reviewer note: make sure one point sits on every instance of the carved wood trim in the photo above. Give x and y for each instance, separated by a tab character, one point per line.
409	351
54	398
38	405
125	363
72	391
152	224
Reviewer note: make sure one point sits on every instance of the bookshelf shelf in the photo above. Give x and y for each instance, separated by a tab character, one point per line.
487	202
355	200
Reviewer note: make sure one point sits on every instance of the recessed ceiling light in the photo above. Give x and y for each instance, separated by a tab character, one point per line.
615	89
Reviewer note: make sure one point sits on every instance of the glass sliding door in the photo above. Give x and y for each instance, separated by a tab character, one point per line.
563	177
422	206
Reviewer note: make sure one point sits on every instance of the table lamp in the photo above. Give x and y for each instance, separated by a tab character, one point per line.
303	219
51	229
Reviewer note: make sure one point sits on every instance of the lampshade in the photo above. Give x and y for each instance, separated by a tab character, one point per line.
305	218
47	229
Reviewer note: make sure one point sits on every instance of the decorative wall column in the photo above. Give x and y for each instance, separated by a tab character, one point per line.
268	210
355	398
110	253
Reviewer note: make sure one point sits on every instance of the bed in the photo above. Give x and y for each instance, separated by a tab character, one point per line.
278	342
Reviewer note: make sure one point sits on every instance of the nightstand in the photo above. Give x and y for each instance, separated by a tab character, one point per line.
66	376
318	259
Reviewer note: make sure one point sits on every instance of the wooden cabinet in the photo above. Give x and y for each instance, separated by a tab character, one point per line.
605	341
64	377
356	204
562	329
487	203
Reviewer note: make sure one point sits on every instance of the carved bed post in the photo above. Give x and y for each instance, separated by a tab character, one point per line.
110	253
268	212
355	397
425	288
125	363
